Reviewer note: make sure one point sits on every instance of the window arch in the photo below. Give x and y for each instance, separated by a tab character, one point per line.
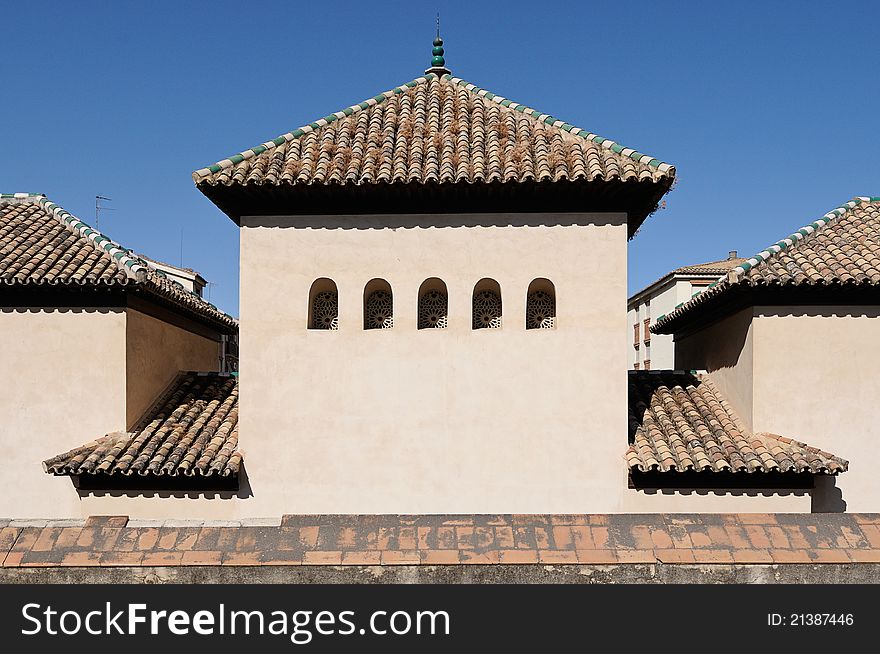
541	305
487	305
433	304
378	305
323	305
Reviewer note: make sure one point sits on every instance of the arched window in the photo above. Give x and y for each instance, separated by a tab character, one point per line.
487	305
378	305
323	304
541	305
433	304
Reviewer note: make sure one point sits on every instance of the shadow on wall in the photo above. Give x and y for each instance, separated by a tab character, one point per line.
822	312
413	221
731	492
710	350
826	497
176	488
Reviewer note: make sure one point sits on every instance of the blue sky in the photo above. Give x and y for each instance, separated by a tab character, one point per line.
769	111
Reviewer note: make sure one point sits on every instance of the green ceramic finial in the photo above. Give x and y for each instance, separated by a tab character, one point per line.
437	60
438	63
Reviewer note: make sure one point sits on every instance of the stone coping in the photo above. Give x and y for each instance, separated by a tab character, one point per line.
437	540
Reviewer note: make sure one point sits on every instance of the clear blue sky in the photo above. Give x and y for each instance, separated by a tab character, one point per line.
769	111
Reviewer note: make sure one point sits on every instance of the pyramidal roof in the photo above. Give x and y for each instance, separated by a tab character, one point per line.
437	130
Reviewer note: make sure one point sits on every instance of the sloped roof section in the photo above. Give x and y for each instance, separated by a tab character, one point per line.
841	249
435	130
191	431
41	244
679	422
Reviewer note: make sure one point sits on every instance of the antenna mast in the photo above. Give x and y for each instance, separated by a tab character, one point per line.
99	208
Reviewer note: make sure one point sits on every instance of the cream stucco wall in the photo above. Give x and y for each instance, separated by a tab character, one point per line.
64	384
68	372
428	421
816	381
156	351
805	373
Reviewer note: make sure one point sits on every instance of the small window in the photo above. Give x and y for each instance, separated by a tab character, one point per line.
433	304
323	305
487	305
541	305
378	305
647	330
636	334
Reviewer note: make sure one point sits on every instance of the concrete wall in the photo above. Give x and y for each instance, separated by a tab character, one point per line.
815	381
156	351
64	383
427	421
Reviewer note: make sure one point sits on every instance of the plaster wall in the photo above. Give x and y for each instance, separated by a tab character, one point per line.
815	381
434	421
156	351
64	374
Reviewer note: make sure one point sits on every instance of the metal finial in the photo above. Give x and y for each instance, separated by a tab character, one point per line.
438	63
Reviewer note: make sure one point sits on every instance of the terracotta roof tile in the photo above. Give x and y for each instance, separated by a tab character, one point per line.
192	430
840	249
679	422
435	129
42	244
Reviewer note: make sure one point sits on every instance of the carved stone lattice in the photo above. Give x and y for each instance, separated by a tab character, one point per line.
433	306
325	311
379	311
540	311
487	310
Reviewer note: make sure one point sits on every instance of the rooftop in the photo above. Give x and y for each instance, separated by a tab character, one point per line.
841	250
42	245
437	131
680	422
191	431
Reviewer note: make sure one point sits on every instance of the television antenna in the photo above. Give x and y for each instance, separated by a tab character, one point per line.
99	207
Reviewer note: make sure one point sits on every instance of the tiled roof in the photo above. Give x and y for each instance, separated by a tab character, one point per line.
191	431
840	249
679	422
709	269
550	541
41	244
435	129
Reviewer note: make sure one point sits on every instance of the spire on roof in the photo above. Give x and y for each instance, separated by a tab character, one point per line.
438	63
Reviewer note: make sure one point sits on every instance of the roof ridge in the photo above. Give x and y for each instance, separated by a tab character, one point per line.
311	127
547	119
807	230
122	256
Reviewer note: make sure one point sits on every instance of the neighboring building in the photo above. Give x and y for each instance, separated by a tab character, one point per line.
91	335
191	280
790	338
677	287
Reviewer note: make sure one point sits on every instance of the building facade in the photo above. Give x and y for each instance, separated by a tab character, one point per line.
92	335
657	351
788	336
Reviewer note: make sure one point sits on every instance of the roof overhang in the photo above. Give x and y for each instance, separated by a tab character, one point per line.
717	306
637	198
